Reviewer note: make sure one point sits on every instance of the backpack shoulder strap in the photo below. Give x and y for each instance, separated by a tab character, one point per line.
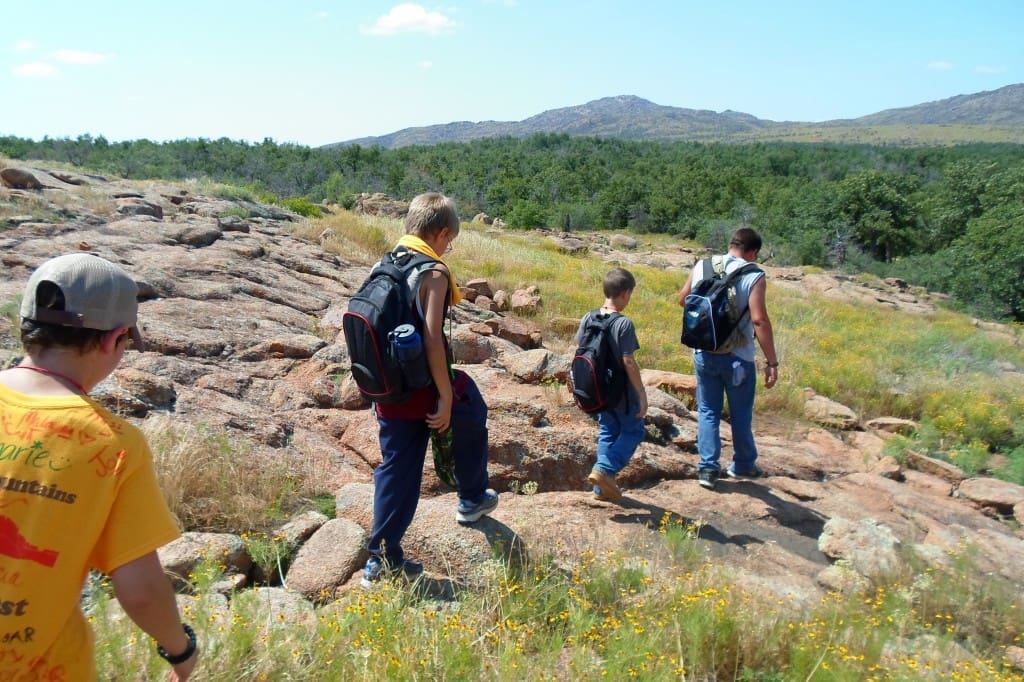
408	260
742	270
602	320
706	267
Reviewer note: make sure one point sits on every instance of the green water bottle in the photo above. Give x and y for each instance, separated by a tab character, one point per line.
444	456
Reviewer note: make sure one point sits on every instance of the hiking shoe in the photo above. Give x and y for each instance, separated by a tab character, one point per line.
752	472
598	495
377	569
708	478
469	512
609	491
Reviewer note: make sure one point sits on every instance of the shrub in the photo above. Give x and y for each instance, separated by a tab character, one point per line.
304	207
234	211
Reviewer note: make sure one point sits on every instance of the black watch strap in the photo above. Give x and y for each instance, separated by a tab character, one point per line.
184	655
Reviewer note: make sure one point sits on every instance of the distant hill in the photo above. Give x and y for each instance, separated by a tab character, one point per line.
1002	107
993	116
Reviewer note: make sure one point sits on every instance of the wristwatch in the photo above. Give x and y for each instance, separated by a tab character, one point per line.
773	364
184	655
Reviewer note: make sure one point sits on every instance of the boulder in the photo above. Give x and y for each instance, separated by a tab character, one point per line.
480	286
524	303
181	557
904	427
822	410
331	556
1002	496
623	241
933	466
536	365
19	178
570	245
136	206
867	546
379	204
519	332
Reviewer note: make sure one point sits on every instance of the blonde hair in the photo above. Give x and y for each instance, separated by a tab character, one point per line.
430	213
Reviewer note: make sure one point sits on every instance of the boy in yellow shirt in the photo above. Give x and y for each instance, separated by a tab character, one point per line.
77	485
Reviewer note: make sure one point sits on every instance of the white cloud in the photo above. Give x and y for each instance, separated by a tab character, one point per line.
409	18
985	68
35	70
940	66
24	46
79	57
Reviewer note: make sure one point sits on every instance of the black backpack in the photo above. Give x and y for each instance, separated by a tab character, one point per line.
711	318
382	303
598	377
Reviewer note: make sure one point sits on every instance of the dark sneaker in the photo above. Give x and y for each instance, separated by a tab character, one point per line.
609	491
752	472
708	478
470	512
377	569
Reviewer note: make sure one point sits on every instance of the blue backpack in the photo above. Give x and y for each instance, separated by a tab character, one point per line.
711	318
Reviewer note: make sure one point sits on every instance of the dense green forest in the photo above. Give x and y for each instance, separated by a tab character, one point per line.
948	218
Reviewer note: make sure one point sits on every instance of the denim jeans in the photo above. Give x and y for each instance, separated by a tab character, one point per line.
714	385
620	432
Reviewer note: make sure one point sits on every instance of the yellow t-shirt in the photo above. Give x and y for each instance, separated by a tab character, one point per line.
77	491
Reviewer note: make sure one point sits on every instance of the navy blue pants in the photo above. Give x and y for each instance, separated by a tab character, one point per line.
403	446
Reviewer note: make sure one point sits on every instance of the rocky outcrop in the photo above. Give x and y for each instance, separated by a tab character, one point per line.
242	322
379	204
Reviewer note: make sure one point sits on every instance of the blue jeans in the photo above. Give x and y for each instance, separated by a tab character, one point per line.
403	446
620	432
714	384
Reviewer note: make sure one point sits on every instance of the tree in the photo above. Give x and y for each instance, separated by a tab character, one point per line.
875	204
526	214
988	262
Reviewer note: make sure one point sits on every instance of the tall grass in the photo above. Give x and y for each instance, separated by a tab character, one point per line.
664	612
215	483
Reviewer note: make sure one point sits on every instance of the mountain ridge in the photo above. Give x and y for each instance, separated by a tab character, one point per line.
635	118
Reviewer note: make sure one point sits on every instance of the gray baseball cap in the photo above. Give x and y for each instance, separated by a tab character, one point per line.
97	295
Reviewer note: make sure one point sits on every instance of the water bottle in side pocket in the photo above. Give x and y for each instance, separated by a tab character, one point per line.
407	346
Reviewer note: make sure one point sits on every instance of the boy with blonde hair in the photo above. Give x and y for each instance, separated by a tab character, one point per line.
452	401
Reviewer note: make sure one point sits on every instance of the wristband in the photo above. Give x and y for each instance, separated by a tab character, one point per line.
772	364
184	655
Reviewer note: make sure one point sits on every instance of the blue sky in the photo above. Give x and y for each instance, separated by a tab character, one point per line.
319	71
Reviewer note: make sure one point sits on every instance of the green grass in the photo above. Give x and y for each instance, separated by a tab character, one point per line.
663	614
11	312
